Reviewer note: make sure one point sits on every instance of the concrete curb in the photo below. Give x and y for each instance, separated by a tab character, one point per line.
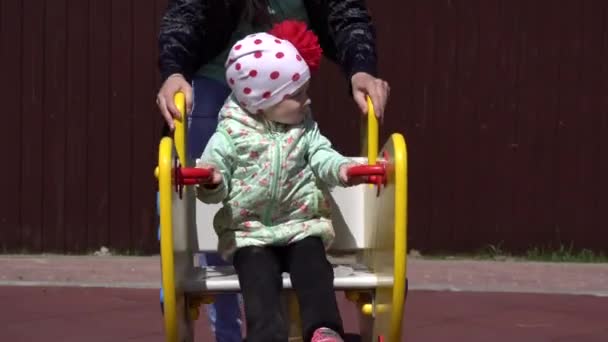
429	275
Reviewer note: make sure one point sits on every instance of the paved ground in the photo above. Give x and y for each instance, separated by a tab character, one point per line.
478	301
113	314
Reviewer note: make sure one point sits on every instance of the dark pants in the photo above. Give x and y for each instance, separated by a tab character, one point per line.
259	270
209	96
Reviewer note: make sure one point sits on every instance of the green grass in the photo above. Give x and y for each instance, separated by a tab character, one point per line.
565	254
546	254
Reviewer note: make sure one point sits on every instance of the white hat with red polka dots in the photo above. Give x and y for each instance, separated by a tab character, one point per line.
262	70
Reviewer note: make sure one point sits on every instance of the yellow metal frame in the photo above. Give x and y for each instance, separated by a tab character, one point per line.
389	304
179	135
165	158
387	241
373	133
370	134
400	247
165	182
176	147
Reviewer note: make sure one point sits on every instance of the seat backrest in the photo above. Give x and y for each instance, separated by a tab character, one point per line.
352	210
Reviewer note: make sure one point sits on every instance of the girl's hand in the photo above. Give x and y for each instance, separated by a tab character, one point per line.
364	84
350	181
164	99
216	177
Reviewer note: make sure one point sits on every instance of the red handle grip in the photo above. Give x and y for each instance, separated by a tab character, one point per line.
375	174
366	170
194	172
191	175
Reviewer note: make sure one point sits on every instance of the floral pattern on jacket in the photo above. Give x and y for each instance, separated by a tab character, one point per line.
275	180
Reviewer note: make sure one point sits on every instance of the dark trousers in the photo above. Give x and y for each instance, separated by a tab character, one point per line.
259	270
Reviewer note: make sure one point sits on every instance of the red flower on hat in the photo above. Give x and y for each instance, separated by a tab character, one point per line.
304	40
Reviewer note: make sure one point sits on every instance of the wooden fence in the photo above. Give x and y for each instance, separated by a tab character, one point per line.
503	102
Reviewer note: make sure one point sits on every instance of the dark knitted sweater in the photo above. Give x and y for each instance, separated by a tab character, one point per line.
193	32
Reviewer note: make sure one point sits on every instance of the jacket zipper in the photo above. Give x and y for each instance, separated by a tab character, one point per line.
276	166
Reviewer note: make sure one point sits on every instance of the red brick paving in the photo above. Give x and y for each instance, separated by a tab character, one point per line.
470	316
489	301
105	314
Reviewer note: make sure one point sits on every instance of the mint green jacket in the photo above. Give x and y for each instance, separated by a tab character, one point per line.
275	180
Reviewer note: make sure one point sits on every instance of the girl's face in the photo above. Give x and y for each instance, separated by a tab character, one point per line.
291	110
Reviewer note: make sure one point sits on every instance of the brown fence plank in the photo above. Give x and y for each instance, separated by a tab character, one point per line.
535	128
519	187
402	119
544	92
143	194
423	54
602	183
98	125
10	96
54	127
444	120
522	187
570	33
525	118
32	126
485	201
76	126
443	114
589	216
507	144
464	128
121	137
397	67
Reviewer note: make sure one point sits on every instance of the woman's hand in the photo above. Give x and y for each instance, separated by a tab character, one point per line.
365	84
164	99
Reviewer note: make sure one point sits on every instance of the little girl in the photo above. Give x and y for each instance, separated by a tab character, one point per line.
272	168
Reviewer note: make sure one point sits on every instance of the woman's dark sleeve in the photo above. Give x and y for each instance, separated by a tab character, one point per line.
181	38
351	28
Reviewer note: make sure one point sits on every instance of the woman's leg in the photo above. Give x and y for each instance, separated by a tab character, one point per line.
209	96
312	277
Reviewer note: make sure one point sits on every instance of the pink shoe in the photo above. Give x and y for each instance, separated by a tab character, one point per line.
326	335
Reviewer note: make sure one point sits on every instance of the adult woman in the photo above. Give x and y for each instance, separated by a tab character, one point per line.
193	41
